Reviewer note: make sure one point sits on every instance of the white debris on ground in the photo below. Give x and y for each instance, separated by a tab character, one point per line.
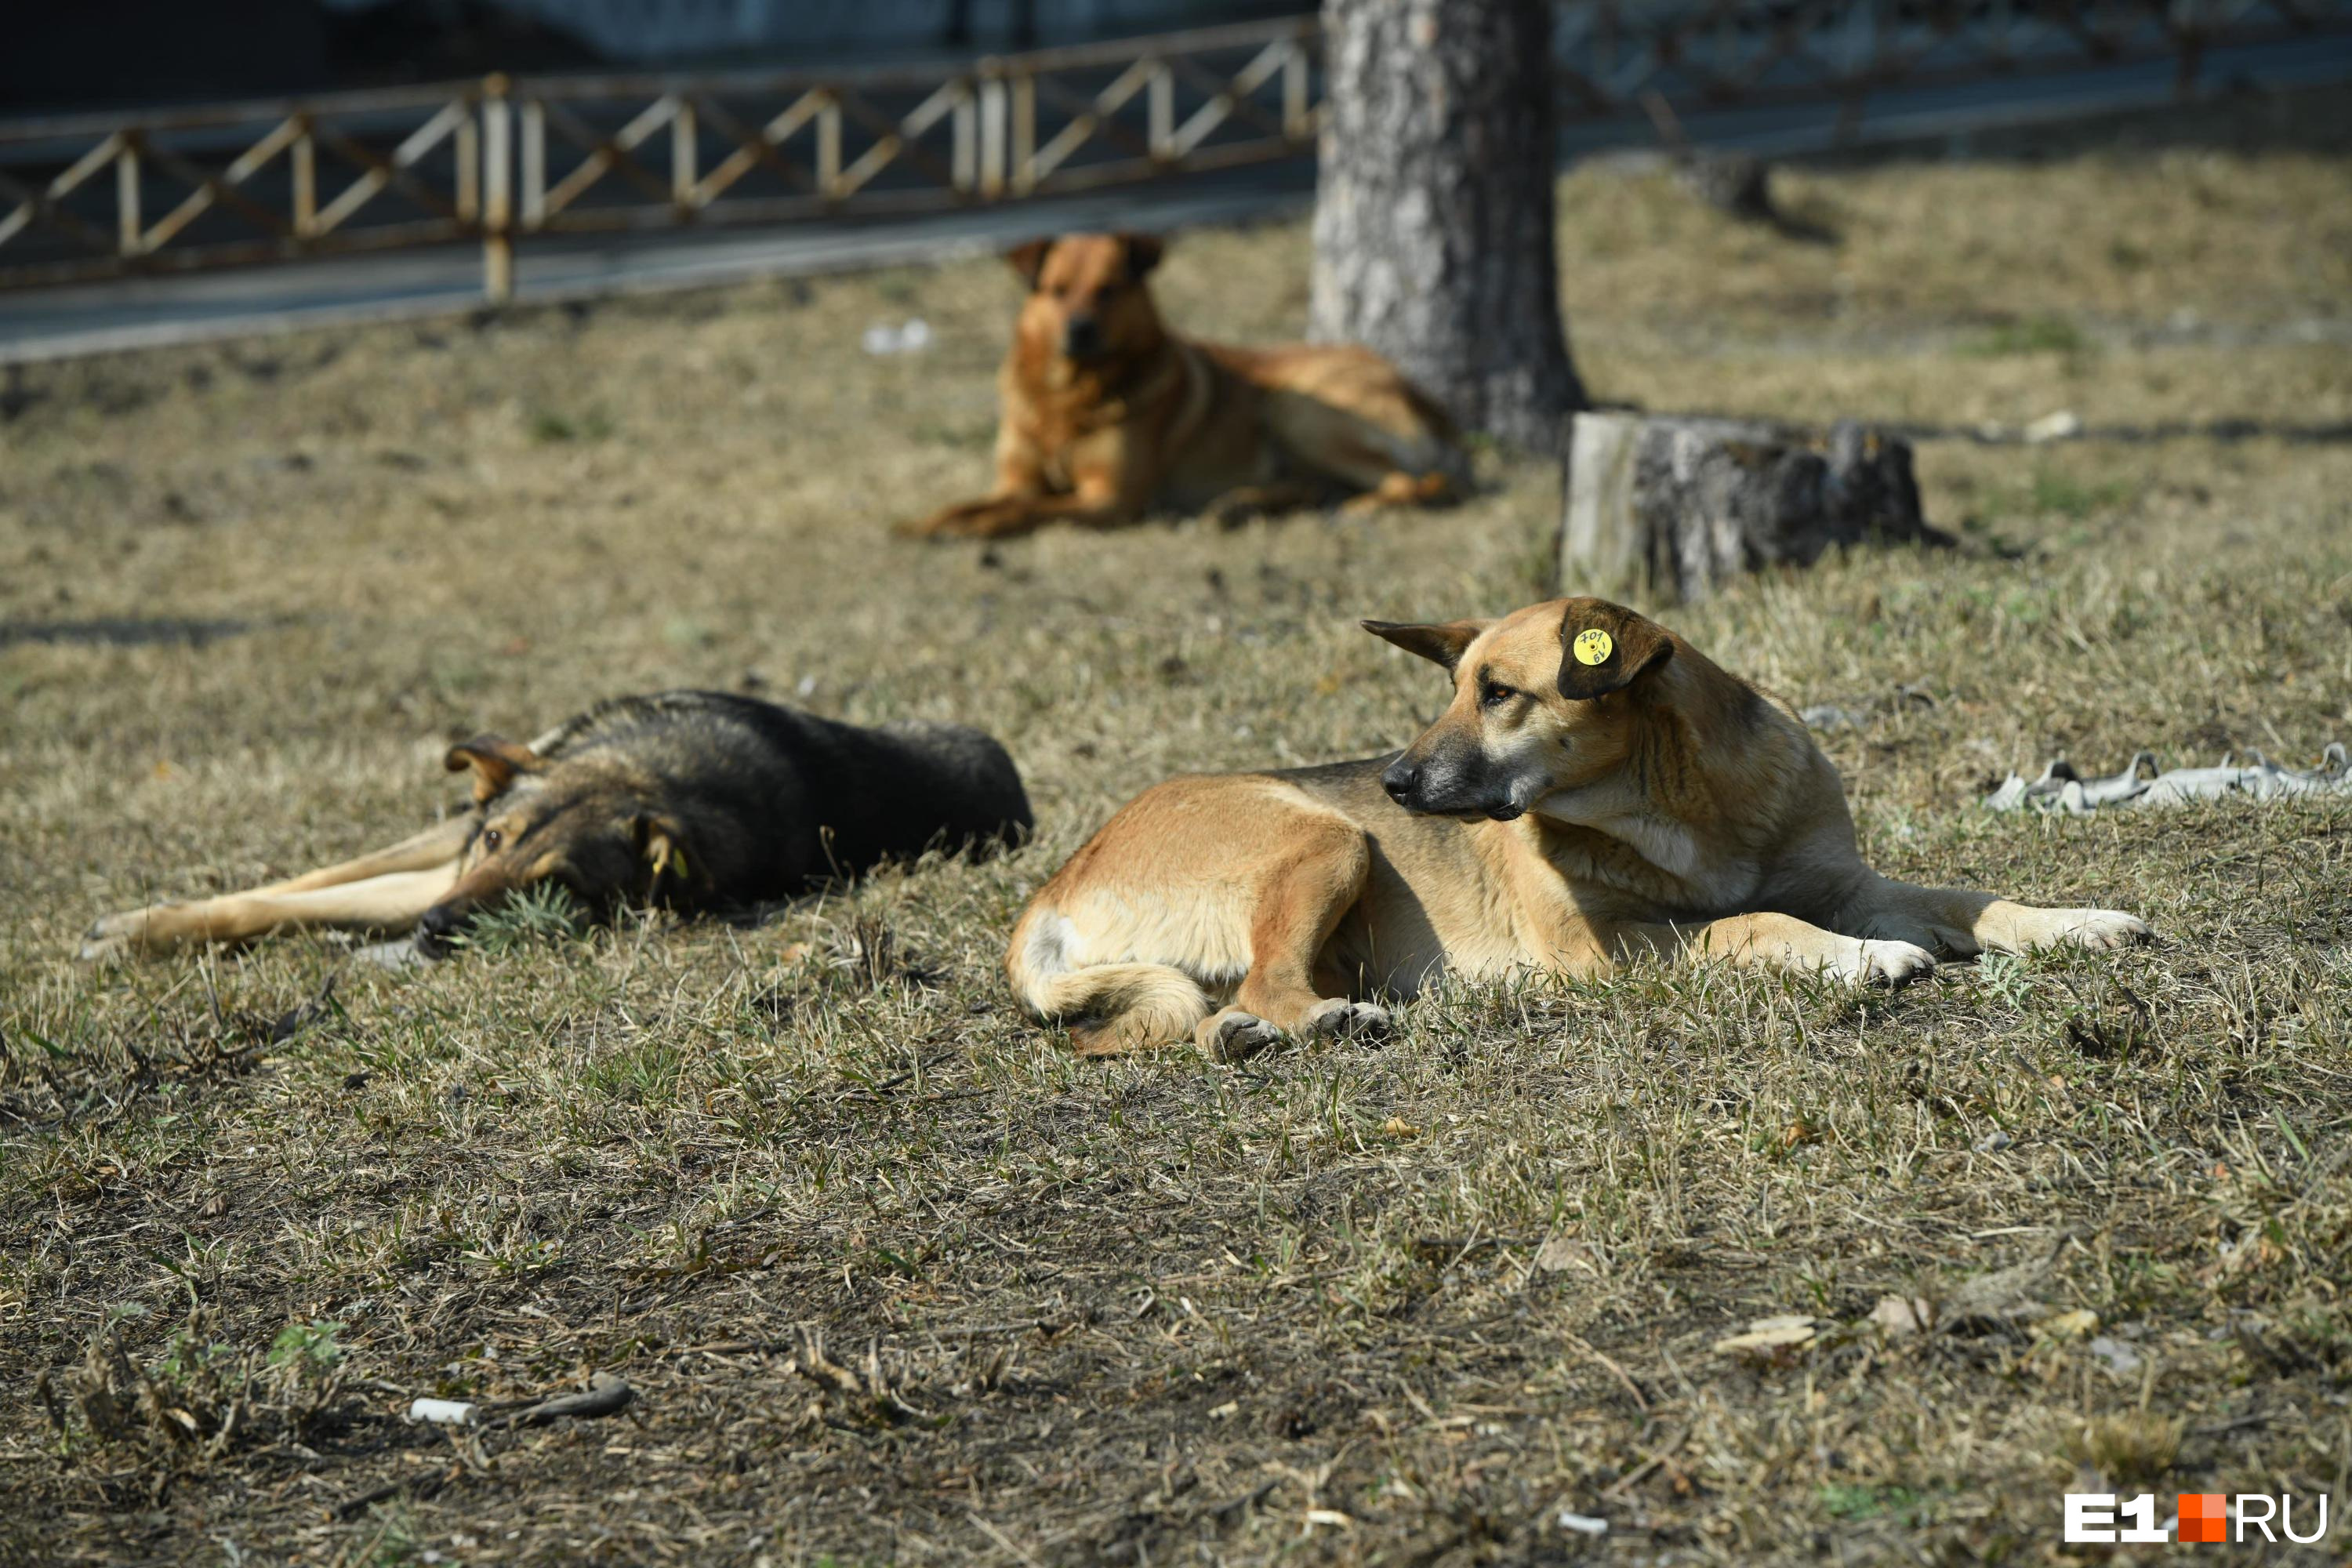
882	338
2143	783
443	1412
2059	426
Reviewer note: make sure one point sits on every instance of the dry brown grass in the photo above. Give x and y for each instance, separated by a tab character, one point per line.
1154	1310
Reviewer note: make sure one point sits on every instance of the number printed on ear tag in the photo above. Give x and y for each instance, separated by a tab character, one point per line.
1593	646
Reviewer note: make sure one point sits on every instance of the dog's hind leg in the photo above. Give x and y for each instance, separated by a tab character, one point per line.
1389	461
386	905
1297	902
1399	488
1964	923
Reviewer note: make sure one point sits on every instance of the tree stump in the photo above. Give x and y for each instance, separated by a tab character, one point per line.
1435	207
1674	509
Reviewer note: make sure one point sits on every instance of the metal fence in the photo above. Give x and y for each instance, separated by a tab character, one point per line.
499	159
502	159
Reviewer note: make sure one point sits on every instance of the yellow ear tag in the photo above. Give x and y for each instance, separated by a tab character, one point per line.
1593	646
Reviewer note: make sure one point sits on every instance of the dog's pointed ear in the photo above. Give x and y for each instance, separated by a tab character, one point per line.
1605	647
495	760
1440	642
661	839
1143	253
1028	258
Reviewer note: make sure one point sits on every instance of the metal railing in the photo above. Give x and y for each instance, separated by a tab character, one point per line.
76	195
504	159
499	159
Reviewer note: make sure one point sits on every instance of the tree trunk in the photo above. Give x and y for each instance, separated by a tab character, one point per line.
1674	509
1434	208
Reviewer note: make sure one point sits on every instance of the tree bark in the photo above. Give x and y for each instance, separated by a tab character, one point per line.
1673	509
1433	207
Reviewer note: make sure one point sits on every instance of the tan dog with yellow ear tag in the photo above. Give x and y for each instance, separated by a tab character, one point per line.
1597	790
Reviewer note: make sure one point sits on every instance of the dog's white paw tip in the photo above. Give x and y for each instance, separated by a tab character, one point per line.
2108	929
1895	964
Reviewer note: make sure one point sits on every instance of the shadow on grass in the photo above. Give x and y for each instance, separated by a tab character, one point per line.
123	631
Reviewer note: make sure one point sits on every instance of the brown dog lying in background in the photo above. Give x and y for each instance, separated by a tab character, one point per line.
1108	415
1597	791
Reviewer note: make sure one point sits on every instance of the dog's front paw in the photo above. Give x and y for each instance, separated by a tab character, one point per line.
936	526
1893	964
1340	1018
1233	1035
116	936
97	949
971	520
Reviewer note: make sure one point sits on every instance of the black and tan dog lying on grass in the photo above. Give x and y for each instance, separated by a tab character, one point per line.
694	800
1108	415
1597	791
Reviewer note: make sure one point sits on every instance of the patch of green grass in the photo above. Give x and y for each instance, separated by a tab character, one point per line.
2036	335
549	425
2059	494
311	1347
535	917
1857	1503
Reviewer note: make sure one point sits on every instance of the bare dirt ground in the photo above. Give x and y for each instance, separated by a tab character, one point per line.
1408	1302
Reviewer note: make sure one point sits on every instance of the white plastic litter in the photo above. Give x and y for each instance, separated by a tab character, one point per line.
2055	426
442	1412
2142	782
1583	1523
909	337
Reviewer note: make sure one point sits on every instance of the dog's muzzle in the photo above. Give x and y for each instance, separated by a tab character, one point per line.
1413	785
435	927
1081	337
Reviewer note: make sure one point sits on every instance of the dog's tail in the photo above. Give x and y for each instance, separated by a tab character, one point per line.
1106	1007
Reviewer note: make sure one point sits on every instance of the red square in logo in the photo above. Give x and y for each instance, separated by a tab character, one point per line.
2204	1517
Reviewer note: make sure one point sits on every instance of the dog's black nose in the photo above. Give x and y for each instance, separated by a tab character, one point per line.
433	926
1081	336
1400	780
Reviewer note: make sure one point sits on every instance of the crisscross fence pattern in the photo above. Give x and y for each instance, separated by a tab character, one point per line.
497	161
93	195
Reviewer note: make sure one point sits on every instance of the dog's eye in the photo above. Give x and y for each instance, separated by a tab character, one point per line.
491	839
1494	694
